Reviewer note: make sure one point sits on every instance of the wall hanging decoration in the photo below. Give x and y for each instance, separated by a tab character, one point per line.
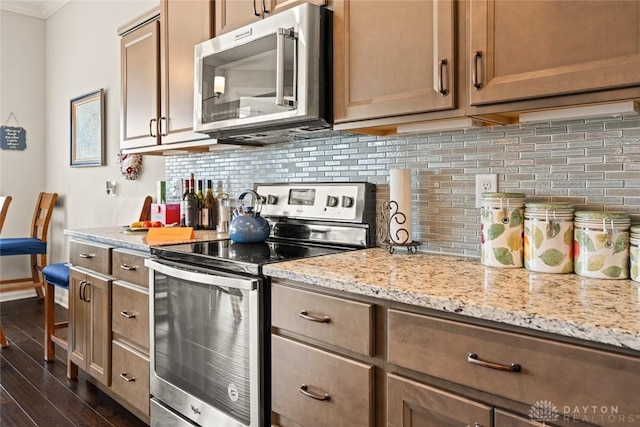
130	165
87	129
13	137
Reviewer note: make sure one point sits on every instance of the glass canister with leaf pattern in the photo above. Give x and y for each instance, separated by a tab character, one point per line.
601	244
634	253
501	229
548	237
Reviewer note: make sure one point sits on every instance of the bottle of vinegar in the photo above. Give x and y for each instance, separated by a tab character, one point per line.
191	205
183	204
208	210
200	204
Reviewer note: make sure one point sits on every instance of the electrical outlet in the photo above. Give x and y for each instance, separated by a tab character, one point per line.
485	183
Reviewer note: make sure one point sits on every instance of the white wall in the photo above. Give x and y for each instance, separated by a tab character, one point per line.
22	89
44	65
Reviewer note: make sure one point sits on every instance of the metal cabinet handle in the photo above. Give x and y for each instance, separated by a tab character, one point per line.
305	315
126	314
81	289
443	91
264	7
477	55
512	367
255	11
162	120
86	255
151	128
86	296
324	396
128	267
126	377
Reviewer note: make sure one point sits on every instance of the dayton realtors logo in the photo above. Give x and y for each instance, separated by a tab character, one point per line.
544	411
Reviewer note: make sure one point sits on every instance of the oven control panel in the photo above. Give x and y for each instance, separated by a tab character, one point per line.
317	201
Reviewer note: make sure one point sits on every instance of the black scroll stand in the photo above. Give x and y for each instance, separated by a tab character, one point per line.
391	213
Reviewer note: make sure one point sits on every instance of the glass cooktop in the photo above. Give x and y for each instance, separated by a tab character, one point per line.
240	257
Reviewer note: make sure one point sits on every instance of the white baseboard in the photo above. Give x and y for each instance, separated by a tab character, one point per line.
62	296
15	295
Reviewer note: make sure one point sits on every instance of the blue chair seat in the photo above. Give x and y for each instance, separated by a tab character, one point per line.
57	274
22	246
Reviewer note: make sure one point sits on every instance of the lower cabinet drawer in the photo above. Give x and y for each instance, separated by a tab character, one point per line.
410	403
312	387
340	322
130	314
94	256
130	371
567	376
129	266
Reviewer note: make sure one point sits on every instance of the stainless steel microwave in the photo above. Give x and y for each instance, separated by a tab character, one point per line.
266	81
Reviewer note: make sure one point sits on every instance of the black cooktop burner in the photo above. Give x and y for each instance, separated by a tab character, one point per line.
239	257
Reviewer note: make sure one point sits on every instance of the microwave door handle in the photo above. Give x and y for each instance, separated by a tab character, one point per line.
280	62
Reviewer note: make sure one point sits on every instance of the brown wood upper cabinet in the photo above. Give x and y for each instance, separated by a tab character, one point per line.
393	57
523	50
398	61
157	73
232	14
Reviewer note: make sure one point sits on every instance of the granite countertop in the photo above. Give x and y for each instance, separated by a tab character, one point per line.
136	240
602	311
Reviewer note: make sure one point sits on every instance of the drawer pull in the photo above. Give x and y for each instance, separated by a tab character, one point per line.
125	377
128	267
305	315
473	358
304	390
124	313
86	255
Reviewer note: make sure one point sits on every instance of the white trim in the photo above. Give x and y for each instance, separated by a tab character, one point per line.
42	9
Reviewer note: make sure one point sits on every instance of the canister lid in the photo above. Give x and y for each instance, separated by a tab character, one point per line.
586	215
548	205
503	195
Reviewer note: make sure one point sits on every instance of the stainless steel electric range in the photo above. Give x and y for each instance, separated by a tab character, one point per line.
210	303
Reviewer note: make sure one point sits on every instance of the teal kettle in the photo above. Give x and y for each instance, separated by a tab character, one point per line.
247	226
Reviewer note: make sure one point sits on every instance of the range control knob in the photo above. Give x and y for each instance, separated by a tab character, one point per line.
332	201
347	202
271	199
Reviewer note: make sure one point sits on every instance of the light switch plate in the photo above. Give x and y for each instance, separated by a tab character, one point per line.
485	183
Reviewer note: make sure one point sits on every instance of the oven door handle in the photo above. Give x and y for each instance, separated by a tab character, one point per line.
183	273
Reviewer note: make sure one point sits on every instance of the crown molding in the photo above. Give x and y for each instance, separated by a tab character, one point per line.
42	9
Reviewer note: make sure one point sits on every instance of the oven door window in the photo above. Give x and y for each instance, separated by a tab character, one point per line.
203	342
249	81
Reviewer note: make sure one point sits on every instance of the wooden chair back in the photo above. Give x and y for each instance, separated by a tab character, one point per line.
5	201
42	215
145	214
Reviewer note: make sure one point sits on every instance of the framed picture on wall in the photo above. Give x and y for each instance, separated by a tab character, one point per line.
87	129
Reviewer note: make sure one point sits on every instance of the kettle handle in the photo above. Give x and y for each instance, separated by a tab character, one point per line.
257	202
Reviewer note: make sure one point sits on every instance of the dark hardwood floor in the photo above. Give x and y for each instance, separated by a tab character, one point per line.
37	393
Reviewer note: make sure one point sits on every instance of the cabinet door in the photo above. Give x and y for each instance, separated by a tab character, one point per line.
410	403
97	297
232	14
528	49
140	73
77	332
392	57
183	25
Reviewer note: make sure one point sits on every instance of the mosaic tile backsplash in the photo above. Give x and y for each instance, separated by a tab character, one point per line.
592	163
